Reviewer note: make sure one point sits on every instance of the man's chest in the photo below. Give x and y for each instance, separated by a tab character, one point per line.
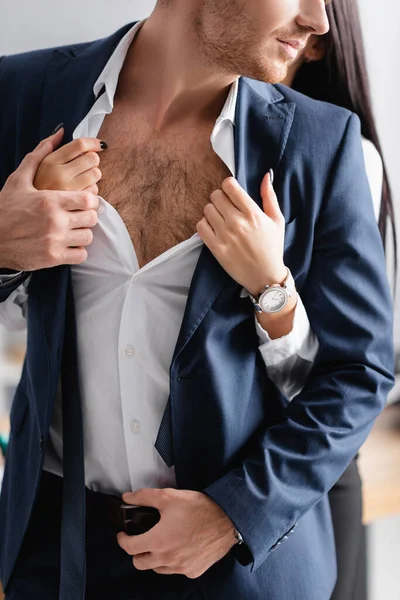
158	185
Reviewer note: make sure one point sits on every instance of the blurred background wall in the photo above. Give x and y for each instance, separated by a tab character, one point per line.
26	25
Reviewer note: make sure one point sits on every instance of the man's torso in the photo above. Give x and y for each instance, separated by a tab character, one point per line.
158	182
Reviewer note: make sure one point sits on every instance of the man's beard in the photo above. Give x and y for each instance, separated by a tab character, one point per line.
241	61
230	54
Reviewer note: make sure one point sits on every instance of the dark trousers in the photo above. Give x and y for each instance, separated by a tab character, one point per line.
110	572
346	506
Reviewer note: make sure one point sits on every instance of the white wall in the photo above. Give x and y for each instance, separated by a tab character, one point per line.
381	24
26	24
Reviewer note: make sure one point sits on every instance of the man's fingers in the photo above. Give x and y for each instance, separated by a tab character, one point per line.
138	544
166	571
79	219
29	165
79	237
56	137
74	256
79	201
146	497
148	561
27	170
155	562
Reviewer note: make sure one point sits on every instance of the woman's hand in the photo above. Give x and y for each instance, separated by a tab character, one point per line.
246	240
74	167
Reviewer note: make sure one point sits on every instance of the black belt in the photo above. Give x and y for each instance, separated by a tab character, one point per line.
105	509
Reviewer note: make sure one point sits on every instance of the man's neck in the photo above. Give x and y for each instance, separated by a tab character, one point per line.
166	77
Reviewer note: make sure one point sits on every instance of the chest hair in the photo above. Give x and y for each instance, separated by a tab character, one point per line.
158	186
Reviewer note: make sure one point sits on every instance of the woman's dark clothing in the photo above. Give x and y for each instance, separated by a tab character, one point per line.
346	506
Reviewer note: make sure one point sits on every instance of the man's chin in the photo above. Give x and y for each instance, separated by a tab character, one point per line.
275	73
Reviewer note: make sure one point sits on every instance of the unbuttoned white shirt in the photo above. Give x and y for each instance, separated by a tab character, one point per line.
128	321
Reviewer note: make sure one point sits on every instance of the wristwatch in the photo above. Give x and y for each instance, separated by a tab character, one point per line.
240	551
274	298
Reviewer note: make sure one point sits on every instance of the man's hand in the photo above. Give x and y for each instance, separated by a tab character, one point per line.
41	229
247	242
192	534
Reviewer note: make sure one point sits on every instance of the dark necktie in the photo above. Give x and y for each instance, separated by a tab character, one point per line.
164	442
73	520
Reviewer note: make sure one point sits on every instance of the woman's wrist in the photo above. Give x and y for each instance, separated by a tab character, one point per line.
280	323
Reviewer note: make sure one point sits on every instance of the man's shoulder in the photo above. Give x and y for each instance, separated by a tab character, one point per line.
327	114
15	66
311	113
24	70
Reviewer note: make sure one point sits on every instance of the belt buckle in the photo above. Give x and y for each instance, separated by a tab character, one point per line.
138	519
127	517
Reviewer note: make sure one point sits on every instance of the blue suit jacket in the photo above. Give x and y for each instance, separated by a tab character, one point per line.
269	464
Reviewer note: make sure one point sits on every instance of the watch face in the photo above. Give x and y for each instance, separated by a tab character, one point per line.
273	299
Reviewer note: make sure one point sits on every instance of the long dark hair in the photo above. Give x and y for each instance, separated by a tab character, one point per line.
341	78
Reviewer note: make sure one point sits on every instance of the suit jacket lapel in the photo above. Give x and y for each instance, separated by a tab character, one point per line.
263	123
67	97
262	128
68	92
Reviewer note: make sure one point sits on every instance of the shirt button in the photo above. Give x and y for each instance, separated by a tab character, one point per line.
135	426
129	350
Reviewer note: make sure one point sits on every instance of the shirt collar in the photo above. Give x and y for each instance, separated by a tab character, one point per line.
229	110
110	74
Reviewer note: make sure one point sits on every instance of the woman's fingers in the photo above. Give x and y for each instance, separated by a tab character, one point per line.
85	180
76	148
83	200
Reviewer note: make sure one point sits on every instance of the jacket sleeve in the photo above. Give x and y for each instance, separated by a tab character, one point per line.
348	301
9	280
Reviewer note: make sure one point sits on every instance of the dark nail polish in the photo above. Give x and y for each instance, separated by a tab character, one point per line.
57	128
103	145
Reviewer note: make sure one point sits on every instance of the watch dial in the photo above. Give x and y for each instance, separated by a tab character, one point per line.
273	300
